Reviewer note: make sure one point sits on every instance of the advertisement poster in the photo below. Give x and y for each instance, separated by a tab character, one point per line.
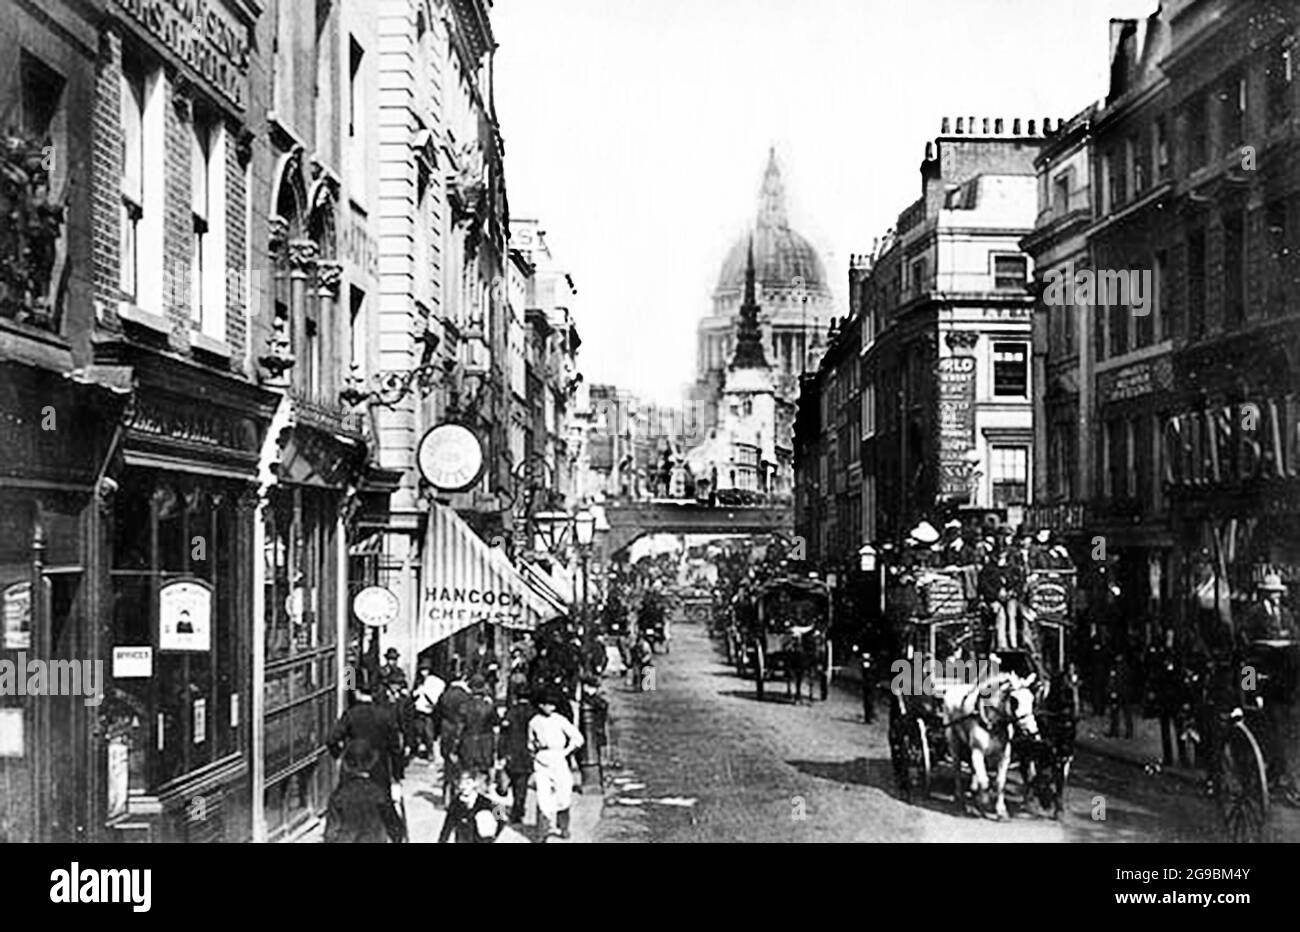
185	616
200	720
132	663
956	423
18	616
119	772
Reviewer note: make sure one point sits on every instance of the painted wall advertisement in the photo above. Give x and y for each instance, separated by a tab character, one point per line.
956	423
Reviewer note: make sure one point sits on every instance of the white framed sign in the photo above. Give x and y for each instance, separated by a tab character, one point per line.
18	616
185	616
132	663
450	457
376	606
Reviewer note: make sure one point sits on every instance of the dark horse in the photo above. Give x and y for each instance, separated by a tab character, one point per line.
804	649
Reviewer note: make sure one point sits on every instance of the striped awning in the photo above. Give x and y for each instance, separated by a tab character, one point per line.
466	582
541	584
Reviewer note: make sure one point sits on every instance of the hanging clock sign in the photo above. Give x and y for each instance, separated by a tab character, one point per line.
450	457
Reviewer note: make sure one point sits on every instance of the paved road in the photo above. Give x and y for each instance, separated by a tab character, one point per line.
704	761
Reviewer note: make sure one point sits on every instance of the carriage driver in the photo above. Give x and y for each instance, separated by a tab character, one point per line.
1271	627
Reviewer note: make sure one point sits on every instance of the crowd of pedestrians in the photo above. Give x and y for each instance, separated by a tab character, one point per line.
489	756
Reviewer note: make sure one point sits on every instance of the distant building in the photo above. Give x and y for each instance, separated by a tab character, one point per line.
791	290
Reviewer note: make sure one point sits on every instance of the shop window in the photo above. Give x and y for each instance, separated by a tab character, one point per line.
1009	474
1010	369
301	647
167	528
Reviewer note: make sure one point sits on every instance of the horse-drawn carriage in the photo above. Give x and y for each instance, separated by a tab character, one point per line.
781	628
956	696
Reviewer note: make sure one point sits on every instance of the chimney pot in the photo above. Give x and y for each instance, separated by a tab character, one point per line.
1046	125
997	127
929	152
986	126
1015	127
973	130
943	127
961	125
1030	131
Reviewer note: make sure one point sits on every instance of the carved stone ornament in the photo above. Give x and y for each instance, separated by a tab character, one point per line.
302	255
277	233
30	235
329	273
278	358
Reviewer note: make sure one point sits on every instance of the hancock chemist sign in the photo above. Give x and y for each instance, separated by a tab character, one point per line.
204	35
463	606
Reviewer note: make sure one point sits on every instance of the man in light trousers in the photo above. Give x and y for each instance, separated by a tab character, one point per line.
552	738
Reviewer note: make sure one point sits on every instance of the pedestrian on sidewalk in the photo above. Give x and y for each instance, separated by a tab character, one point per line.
472	816
477	749
517	754
449	719
429	688
552	738
359	811
376	723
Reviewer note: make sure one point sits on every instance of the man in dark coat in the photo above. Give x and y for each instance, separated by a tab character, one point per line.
359	811
514	748
376	723
449	719
477	749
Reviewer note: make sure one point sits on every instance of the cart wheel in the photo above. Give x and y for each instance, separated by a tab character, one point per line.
898	747
921	753
760	663
1241	785
828	671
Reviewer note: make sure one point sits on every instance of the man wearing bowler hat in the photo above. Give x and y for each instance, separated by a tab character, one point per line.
390	672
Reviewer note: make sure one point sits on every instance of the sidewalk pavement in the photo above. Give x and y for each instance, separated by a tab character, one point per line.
422	789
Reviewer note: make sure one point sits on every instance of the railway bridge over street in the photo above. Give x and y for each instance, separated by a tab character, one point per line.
631	520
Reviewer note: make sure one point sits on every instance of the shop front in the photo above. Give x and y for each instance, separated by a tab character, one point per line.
57	435
179	604
305	560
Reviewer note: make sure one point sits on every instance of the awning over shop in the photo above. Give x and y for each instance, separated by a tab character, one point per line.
541	584
467	582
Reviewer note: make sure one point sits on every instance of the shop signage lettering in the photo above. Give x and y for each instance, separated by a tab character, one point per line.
1048	598
465	605
942	595
1134	381
1233	444
204	36
195	428
1065	516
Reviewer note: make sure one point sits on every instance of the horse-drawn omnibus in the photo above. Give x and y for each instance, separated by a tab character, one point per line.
783	629
951	683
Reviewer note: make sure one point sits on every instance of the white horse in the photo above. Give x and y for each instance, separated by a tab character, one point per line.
981	720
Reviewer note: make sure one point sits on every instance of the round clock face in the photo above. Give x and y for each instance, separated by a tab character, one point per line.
450	457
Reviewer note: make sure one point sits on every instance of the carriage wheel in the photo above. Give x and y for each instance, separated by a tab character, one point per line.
759	669
898	747
921	753
1241	785
827	671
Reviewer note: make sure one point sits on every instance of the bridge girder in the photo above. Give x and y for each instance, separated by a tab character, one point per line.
628	522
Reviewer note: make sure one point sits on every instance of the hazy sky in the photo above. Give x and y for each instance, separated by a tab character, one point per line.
637	131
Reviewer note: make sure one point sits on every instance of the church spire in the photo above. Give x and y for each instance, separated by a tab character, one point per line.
771	198
749	338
